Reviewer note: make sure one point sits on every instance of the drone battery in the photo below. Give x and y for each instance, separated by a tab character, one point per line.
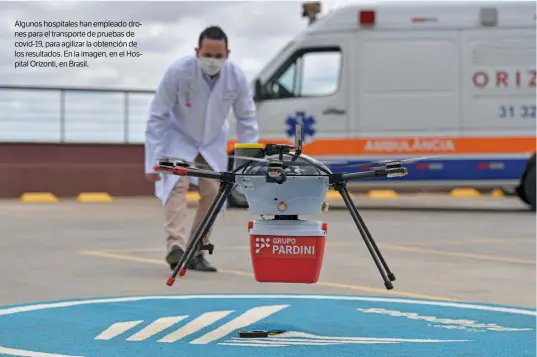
287	251
248	150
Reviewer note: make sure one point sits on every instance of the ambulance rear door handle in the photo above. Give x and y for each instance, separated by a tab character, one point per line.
334	111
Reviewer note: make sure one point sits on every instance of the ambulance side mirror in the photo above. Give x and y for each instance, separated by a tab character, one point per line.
258	91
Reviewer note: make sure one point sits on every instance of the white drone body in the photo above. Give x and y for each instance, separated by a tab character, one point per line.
302	193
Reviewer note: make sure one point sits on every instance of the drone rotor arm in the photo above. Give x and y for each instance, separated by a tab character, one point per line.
390	162
195	172
177	161
392	172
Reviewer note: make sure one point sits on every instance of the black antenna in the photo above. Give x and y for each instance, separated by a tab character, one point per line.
298	141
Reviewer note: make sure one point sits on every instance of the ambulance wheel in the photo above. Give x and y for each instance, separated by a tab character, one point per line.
528	187
236	197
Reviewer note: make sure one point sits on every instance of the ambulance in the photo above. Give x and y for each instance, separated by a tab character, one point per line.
397	80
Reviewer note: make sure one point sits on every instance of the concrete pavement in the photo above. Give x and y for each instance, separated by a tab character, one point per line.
478	250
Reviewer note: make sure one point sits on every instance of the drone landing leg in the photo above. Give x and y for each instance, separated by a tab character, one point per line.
366	235
201	231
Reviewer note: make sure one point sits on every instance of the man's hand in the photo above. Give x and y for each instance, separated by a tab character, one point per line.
153	177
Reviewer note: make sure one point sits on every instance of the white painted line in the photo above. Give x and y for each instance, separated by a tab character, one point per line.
249	317
255	343
23	353
195	325
55	305
117	329
313	341
156	327
247	345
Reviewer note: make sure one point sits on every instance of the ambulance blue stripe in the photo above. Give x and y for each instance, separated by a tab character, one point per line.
454	170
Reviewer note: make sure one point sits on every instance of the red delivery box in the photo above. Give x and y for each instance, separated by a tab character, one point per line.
287	251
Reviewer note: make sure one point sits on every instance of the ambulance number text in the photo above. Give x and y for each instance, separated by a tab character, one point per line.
516	111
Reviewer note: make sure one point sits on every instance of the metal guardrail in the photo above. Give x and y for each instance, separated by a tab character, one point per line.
73	114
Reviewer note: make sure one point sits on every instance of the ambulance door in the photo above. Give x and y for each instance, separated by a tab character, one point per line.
310	87
499	83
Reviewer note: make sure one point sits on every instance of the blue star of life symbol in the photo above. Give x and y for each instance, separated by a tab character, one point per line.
300	118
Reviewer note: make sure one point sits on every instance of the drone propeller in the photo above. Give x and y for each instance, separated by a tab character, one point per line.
386	162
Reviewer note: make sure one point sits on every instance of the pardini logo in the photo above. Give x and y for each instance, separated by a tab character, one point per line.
261	243
289	246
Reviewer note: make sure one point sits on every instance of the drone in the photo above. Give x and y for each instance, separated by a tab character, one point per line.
279	180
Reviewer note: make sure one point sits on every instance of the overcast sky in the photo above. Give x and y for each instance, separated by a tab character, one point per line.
256	30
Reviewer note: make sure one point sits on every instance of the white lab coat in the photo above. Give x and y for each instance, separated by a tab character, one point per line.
175	129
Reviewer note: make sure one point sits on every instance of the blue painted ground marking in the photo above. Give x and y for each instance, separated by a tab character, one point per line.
207	325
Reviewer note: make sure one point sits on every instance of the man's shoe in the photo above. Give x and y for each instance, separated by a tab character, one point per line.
199	263
174	255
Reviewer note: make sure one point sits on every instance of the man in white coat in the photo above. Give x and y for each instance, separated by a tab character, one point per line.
188	119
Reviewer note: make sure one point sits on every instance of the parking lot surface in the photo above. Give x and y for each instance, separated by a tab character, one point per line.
476	250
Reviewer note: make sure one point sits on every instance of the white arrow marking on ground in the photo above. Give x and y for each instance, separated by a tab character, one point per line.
301	338
250	345
195	325
117	329
155	327
293	334
291	342
249	317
